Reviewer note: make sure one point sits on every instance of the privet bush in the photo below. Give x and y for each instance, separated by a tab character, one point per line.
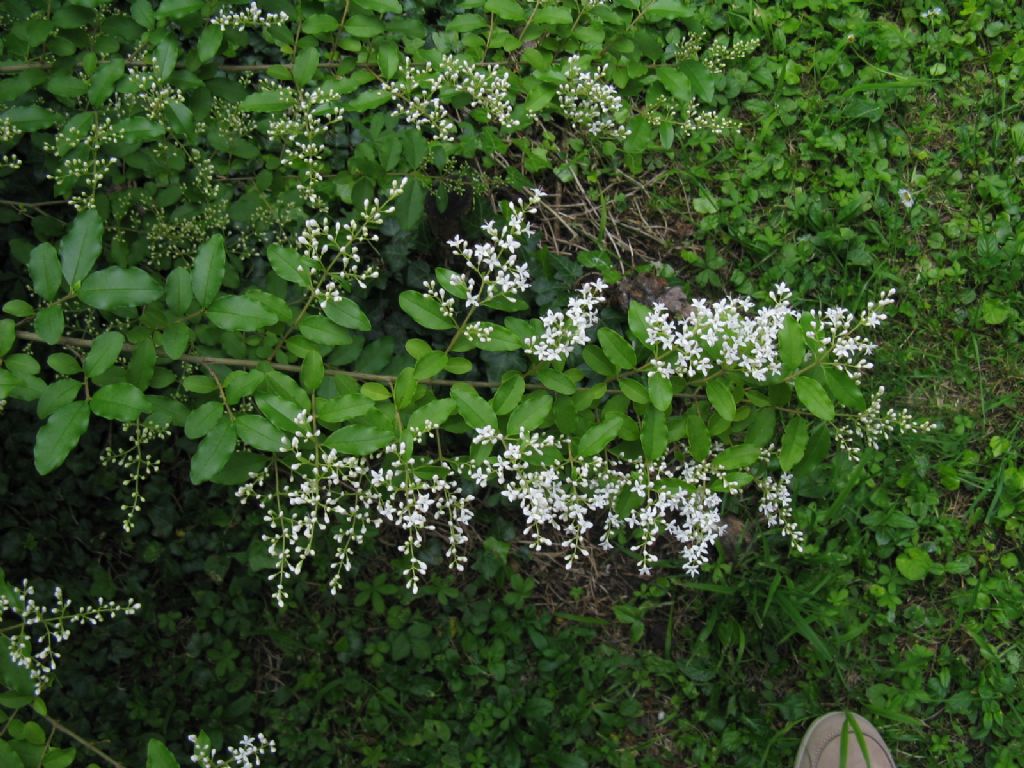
252	227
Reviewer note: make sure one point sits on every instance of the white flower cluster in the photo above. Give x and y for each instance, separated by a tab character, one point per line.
591	104
494	269
334	249
248	753
251	16
149	93
873	426
41	627
301	129
720	333
729	333
835	333
932	13
564	331
322	490
8	133
562	498
83	159
720	53
138	461
702	120
420	94
777	507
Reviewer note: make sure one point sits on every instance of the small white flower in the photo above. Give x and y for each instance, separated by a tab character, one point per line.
906	198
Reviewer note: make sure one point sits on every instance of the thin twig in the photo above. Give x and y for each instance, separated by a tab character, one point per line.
32	65
87	744
233	362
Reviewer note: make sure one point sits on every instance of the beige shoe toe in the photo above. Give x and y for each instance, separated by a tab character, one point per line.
822	744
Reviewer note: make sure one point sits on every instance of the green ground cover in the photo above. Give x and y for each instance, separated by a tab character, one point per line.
906	604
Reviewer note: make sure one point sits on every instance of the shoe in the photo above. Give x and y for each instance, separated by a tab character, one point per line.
821	745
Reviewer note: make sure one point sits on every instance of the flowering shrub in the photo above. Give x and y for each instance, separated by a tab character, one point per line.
220	256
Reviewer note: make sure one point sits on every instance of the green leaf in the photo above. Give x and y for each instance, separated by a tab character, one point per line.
476	411
676	83
179	290
143	364
338	409
553	14
44	267
362	26
213	452
237	313
738	457
557	381
286	262
367	100
508	10
794	443
305	66
509	394
256	432
49	323
761	427
120	287
119	402
791	344
465	22
311	374
430	365
388	59
208	270
159	756
530	413
166	57
914	564
58	437
31	117
635	391
267	101
815	398
617	349
105	349
424	310
209	42
722	400
104	80
380	6
844	389
700	79
177	9
698	438
359	439
347	314
175	340
654	435
320	330
660	391
404	388
595	439
994	311
319	24
204	418
436	412
598	361
81	246
7	335
56	396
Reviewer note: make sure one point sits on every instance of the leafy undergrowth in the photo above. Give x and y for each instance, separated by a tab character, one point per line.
905	605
